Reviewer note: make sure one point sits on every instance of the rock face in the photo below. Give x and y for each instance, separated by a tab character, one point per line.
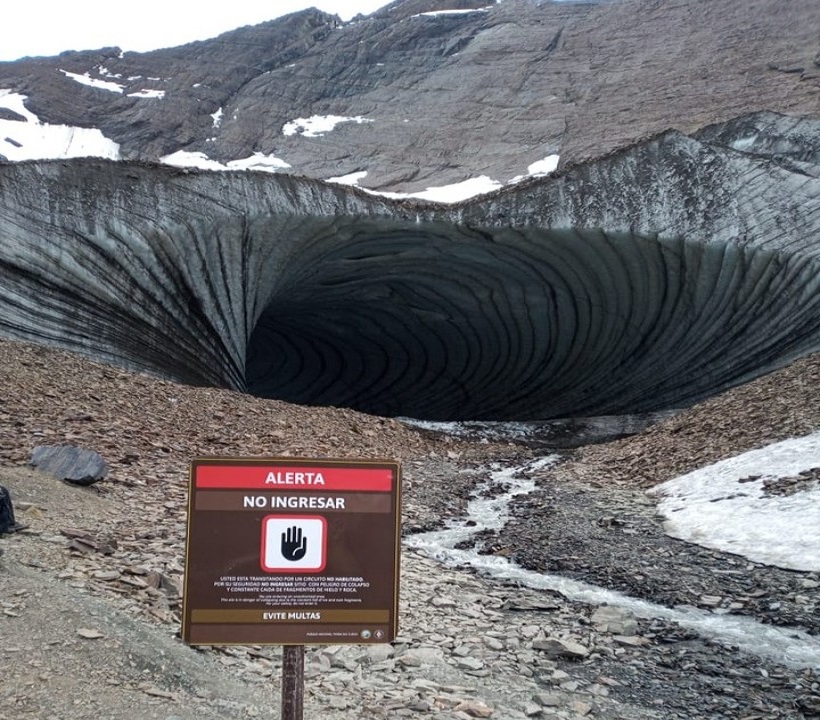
644	280
441	97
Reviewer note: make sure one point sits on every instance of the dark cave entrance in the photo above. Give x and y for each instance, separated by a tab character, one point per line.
527	324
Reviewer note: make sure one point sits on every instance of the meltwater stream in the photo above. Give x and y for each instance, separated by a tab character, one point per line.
791	647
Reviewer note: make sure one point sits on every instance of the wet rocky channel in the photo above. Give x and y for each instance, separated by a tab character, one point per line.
666	629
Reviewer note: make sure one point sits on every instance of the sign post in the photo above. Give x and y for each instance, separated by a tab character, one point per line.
288	551
293	681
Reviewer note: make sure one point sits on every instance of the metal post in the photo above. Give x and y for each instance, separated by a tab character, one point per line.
293	681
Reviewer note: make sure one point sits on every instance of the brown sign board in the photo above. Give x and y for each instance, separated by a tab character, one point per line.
292	551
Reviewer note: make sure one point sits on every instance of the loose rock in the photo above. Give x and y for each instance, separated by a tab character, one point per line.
71	464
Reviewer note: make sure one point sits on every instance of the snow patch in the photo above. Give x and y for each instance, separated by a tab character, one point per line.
757	505
184	158
543	167
148	94
318	125
217	117
540	168
86	79
466	189
29	139
449	193
439	13
257	161
349	179
16	103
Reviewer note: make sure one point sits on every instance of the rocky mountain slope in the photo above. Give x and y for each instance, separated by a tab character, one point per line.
422	97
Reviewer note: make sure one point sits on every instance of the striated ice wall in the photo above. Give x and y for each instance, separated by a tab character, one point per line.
645	280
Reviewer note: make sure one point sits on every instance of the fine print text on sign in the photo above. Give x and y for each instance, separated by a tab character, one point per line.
292	551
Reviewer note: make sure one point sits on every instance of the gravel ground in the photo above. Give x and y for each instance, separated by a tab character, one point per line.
90	592
605	528
613	537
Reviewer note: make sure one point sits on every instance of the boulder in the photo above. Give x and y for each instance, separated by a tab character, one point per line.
69	463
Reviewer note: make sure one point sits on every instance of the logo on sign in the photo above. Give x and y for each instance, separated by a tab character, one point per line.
294	543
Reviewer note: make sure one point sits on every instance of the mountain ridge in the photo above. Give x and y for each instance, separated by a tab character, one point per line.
442	97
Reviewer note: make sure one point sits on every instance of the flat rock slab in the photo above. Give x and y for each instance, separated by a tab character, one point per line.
69	463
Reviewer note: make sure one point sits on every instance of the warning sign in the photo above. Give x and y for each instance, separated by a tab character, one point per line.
292	551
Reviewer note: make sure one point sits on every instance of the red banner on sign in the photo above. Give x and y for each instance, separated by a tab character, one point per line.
299	478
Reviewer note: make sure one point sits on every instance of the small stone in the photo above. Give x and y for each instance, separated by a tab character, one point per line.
422	706
604	680
154	691
135	570
105	575
556	647
529	631
530	604
470	663
90	633
558	677
474	709
547	699
135	582
424	684
443	602
580	707
615	620
379	653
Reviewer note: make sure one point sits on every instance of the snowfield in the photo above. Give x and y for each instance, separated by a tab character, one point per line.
763	505
31	139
